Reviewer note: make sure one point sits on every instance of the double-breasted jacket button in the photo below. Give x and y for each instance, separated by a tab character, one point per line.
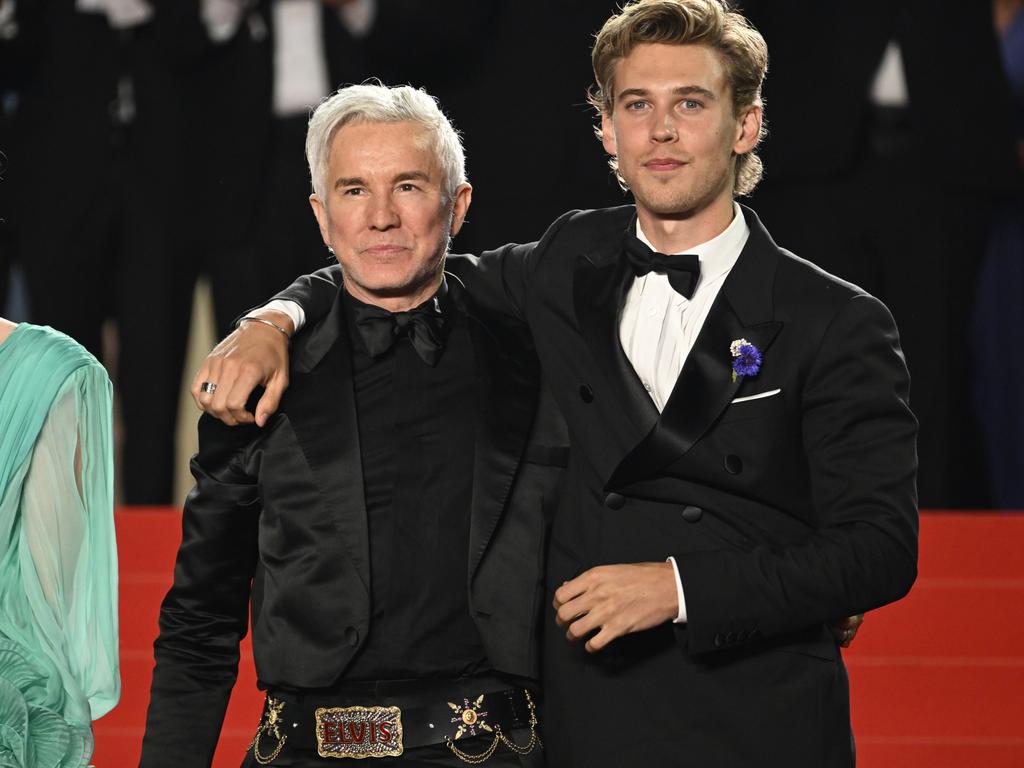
614	500
719	640
586	393
692	514
352	636
733	464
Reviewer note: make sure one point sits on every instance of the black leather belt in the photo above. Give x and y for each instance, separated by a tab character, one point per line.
358	726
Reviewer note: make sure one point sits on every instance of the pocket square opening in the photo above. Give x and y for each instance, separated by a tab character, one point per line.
757	396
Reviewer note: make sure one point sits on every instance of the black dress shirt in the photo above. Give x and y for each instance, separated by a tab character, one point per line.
416	436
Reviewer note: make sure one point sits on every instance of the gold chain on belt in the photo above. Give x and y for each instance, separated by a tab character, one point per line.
501	738
271	726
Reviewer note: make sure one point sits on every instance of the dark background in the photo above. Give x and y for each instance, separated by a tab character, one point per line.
141	159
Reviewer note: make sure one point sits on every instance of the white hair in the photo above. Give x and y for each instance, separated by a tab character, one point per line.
374	103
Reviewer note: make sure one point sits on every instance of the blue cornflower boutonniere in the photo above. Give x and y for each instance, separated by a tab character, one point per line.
746	359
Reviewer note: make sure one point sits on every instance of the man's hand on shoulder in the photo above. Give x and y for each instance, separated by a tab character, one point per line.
253	354
614	600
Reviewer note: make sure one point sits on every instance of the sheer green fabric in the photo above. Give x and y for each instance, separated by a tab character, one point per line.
58	561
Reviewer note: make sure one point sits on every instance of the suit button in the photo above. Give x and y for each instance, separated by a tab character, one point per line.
352	636
586	393
733	464
719	640
614	500
730	637
692	514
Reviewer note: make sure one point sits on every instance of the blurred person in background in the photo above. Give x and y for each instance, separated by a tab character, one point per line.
890	142
99	177
10	52
264	64
549	143
58	563
999	318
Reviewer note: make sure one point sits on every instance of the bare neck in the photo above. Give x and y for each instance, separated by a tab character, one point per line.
6	328
677	232
401	303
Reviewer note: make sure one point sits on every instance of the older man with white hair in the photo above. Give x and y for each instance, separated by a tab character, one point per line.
388	523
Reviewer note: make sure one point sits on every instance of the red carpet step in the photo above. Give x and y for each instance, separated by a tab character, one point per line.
937	679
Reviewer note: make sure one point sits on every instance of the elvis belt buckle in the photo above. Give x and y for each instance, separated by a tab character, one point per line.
359	732
388	731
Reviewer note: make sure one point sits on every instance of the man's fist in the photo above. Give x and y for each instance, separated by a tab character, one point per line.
253	355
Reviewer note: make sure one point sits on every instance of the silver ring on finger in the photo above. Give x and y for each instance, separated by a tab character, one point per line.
208	387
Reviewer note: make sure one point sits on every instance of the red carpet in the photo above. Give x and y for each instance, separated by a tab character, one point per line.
937	679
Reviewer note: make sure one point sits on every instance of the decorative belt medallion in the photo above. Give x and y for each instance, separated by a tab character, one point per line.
469	717
270	726
359	732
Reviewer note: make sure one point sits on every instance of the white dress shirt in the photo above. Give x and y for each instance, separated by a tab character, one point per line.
291	309
121	14
8	24
301	79
889	88
659	326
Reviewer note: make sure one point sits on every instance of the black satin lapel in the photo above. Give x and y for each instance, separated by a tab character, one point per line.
508	377
324	420
598	293
704	388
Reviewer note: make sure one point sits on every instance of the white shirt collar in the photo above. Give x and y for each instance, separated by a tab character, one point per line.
719	254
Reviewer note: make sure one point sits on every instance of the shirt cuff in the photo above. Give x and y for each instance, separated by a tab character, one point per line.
681	617
294	311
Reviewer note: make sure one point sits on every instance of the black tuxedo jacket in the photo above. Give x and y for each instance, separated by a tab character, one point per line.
279	513
784	511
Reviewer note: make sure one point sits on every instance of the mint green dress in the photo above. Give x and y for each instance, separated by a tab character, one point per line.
58	561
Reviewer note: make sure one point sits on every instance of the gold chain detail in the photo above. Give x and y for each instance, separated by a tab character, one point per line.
266	759
475	759
270	726
501	737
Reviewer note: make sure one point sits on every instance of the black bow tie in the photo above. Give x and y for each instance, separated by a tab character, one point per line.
682	270
423	325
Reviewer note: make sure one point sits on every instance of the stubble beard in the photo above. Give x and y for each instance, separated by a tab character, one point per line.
677	200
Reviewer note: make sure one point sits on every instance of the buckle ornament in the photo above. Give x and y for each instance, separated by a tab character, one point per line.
472	712
470	717
270	726
359	732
